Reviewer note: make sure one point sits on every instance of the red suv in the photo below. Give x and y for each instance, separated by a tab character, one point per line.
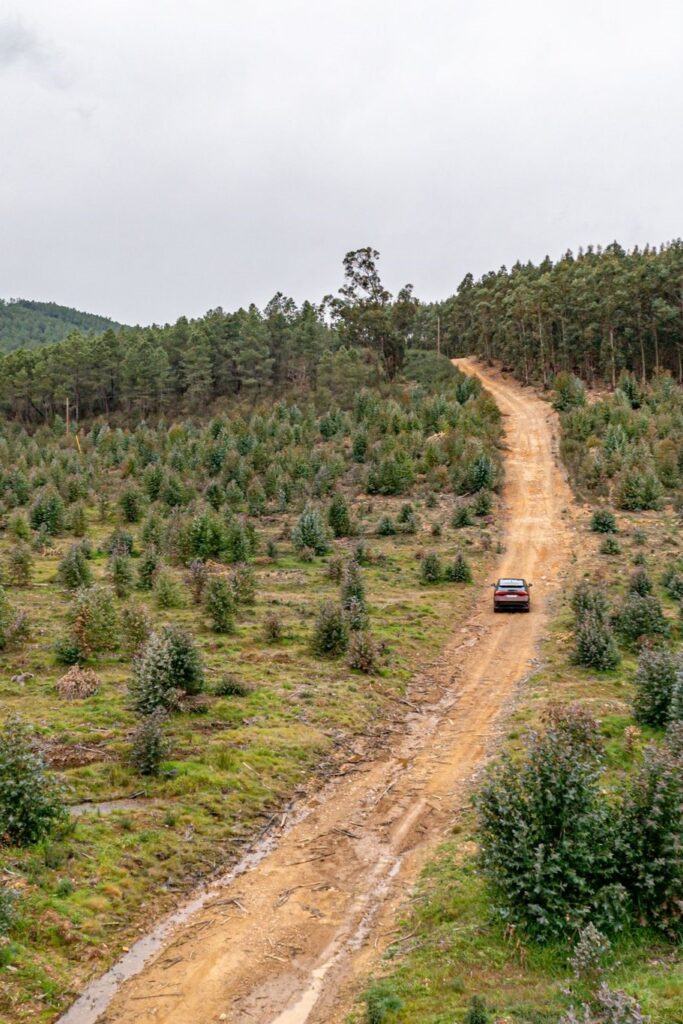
511	595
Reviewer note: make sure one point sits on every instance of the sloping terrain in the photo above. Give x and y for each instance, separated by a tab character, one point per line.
28	324
283	941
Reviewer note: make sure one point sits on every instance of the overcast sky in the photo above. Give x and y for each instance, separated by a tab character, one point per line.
162	157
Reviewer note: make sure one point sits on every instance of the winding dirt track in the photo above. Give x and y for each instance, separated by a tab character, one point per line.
287	941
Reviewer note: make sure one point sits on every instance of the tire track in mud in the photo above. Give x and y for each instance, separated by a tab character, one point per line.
283	941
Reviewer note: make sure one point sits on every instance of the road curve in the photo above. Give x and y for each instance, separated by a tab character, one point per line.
287	941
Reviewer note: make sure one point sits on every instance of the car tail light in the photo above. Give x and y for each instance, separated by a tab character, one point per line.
502	593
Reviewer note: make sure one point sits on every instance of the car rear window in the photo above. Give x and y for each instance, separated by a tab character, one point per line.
513	584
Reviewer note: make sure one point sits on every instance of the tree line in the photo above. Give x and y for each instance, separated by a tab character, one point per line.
595	314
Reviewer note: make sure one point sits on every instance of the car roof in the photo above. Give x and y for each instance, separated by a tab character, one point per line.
511	582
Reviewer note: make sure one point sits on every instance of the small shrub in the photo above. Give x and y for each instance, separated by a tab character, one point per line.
75	520
655	681
547	834
93	621
121	575
148	569
271	550
335	569
379	1002
230	686
386	527
331	633
120	542
603	521
595	646
436	530
8	909
310	532
430	569
476	1012
640	583
74	571
649	837
168	665
167	591
363	652
149	745
19	565
483	504
30	801
590	952
352	586
272	628
462	517
131	504
220	604
196	578
243	584
640	618
589	597
610	546
47	513
338	516
459	570
136	626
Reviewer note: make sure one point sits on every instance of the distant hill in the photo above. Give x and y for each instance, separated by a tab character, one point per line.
28	324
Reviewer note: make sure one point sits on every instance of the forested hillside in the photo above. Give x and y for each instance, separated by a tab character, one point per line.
596	313
28	324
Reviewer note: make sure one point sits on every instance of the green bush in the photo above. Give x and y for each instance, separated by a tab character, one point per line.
483	504
331	633
589	597
610	546
462	517
430	569
168	665
74	571
310	532
649	840
386	527
392	475
220	604
640	583
380	1001
547	834
638	490
121	575
339	517
148	569
273	630
120	543
363	652
149	745
655	681
476	1012
640	618
243	584
93	621
131	503
19	565
459	570
30	800
570	392
352	586
167	591
47	512
136	626
603	521
197	577
8	908
594	643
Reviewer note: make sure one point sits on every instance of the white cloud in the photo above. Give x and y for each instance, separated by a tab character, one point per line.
214	152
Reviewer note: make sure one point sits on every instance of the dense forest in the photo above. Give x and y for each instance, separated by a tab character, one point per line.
595	314
28	324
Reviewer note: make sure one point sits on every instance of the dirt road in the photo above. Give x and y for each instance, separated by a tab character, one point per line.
283	943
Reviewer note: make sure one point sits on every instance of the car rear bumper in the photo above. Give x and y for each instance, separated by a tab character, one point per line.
512	605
